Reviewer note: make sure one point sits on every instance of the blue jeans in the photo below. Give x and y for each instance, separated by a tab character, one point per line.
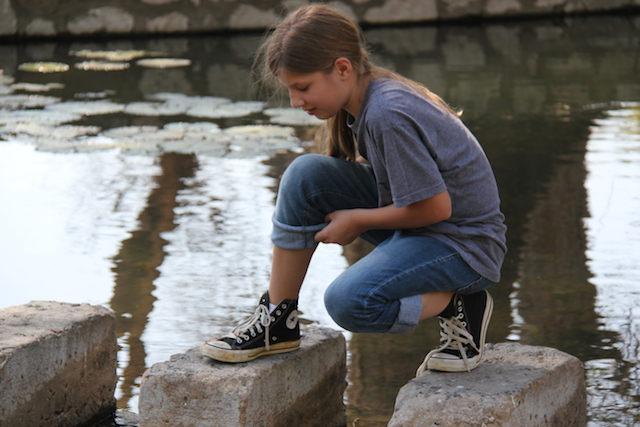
382	291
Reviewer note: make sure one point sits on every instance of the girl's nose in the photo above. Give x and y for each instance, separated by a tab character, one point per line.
295	101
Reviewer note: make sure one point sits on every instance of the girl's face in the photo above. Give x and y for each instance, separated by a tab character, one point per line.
320	94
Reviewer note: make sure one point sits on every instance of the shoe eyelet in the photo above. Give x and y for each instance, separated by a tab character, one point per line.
284	306
278	313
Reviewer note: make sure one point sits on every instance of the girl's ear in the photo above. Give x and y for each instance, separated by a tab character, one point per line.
343	67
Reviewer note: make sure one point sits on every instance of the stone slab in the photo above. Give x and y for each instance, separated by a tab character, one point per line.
515	386
57	364
301	388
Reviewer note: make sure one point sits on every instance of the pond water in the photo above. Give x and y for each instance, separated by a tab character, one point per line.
162	211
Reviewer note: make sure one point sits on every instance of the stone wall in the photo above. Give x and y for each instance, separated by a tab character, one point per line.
50	18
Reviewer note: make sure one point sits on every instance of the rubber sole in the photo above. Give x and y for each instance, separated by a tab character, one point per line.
237	356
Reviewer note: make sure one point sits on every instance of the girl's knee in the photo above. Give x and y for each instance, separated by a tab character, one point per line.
303	171
348	309
339	306
305	164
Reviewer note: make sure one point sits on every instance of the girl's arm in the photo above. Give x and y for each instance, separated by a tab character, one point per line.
345	225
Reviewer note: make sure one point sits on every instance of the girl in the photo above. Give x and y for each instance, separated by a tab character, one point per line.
402	172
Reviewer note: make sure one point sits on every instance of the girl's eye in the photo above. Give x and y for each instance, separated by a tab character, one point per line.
304	89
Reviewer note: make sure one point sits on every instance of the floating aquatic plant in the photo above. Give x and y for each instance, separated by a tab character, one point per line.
155	108
195	129
193	101
49	131
17	102
5	79
291	117
36	87
44	67
164	62
38	116
236	109
128	131
94	95
113	55
175	104
87	108
101	66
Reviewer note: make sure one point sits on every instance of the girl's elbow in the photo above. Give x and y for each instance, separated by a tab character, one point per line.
445	215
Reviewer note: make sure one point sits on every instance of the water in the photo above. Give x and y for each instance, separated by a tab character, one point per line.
177	244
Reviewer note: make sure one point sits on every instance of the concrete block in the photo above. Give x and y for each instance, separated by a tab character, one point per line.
515	386
57	364
301	388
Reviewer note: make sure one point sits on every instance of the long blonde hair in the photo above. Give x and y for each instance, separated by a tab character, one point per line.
309	40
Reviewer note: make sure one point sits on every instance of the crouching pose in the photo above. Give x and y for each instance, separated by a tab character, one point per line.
403	172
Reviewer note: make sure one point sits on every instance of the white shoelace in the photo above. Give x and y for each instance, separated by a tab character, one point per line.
253	326
454	336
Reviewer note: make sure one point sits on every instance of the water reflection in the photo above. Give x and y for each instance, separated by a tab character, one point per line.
542	97
613	244
137	263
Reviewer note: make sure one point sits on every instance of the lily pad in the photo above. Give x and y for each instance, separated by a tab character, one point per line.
17	102
87	108
155	108
113	55
95	95
128	131
38	116
36	87
236	109
260	131
164	62
4	79
50	131
251	140
44	67
101	66
291	117
198	128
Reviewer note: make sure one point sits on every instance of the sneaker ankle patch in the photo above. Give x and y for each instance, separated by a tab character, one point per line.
292	320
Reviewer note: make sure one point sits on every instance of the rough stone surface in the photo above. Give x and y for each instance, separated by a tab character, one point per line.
57	364
515	386
26	18
301	388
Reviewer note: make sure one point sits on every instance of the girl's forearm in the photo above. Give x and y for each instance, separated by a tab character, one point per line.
419	214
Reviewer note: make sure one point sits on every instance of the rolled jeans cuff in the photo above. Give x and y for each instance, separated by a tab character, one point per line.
294	237
408	315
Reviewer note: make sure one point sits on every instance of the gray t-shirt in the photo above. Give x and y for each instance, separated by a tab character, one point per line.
418	150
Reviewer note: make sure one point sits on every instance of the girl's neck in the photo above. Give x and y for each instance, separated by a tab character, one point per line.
360	86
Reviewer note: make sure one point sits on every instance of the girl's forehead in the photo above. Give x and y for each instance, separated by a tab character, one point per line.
290	79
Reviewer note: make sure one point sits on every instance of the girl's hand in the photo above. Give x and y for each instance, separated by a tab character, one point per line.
345	225
342	228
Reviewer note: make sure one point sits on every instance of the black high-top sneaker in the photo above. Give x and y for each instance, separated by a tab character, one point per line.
463	329
262	334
